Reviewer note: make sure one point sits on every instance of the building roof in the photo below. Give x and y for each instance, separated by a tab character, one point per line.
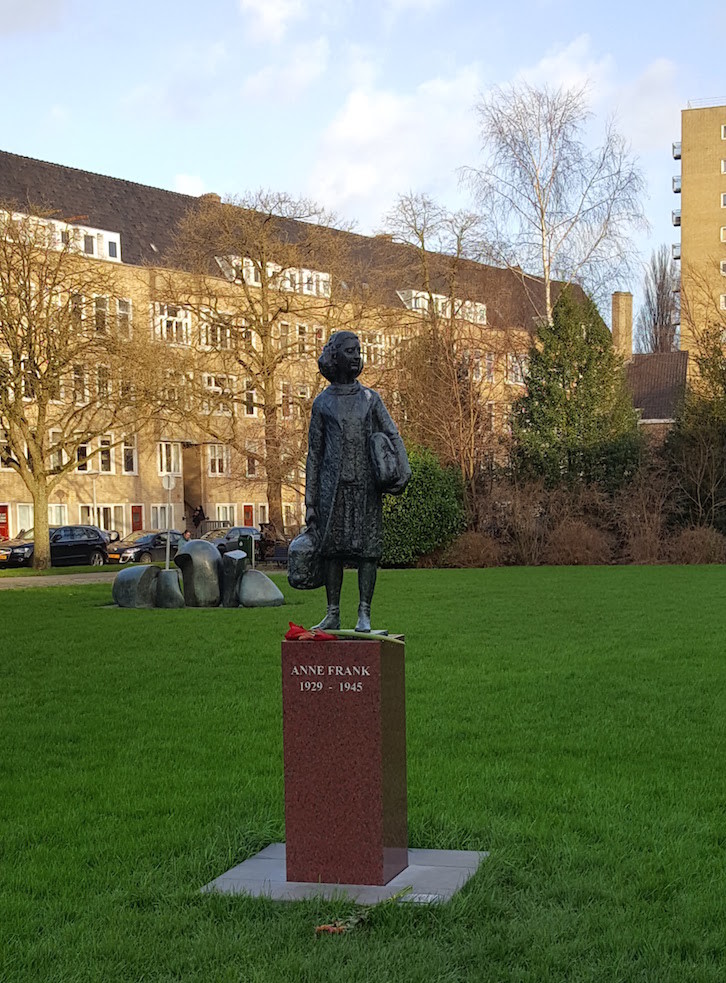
657	382
147	218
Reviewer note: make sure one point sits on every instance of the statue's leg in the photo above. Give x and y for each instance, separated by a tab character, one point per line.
367	570
333	583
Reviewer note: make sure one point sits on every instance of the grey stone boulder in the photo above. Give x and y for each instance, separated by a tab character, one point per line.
168	590
256	590
234	563
135	587
201	567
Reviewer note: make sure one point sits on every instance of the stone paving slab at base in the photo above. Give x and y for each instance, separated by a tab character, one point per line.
434	876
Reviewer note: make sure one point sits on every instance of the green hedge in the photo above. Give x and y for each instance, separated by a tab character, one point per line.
427	515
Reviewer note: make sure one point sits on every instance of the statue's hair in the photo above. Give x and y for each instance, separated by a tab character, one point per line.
328	361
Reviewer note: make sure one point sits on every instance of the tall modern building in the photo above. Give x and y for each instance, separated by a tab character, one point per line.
701	186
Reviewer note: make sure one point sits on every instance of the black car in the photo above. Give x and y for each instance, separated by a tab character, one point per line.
69	546
228	539
144	546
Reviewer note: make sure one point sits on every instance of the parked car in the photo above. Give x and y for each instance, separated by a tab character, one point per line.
69	546
228	539
144	546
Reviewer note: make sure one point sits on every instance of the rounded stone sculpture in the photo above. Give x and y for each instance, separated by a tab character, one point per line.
168	591
201	567
256	590
234	563
135	587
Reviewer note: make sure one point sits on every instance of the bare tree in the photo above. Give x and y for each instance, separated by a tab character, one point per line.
659	317
443	379
262	329
65	347
554	207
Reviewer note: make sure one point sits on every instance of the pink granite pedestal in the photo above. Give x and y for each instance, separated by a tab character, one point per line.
344	730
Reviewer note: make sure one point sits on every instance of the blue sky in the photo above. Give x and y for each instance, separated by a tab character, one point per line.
345	101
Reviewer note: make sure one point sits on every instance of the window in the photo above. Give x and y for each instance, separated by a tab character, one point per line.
287	404
173	324
490	362
722	302
128	454
723	267
55	456
82	457
169	457
249	398
319	339
284	336
252	464
25	517
372	349
490	417
89	245
123	318
302	393
76	306
217	460
723	200
162	516
57	515
723	233
290	280
218	331
105	457
219	386
515	369
79	384
302	339
476	367
103	381
308	281
262	513
112	250
225	513
723	131
100	314
6	454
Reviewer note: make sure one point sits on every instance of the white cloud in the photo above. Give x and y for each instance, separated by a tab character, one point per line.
189	184
30	15
382	143
406	6
573	66
288	79
268	20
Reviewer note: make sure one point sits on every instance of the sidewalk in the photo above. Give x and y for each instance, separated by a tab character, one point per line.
67	580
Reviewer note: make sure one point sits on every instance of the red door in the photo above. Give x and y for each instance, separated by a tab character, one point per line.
4	523
137	517
248	513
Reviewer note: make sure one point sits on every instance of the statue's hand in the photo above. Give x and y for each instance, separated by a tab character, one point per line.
311	519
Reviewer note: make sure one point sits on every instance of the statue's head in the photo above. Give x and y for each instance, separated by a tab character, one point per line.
341	358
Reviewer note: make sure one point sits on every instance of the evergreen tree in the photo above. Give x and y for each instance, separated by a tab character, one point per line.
576	423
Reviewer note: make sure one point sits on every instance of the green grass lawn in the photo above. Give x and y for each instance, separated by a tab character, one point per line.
570	721
54	571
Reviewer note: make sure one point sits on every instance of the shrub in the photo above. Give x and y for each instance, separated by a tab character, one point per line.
575	543
426	516
702	544
470	549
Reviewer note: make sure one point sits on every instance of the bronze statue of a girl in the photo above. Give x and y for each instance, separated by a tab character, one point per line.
355	455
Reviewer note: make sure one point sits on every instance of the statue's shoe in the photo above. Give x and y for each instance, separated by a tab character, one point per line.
331	621
364	618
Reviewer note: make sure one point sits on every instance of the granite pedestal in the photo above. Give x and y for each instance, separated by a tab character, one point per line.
344	734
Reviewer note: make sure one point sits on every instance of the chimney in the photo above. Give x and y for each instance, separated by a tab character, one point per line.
623	323
211	196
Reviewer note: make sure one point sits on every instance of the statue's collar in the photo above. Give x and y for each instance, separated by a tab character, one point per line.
344	388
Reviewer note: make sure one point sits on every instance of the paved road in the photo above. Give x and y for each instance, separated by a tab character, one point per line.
62	580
